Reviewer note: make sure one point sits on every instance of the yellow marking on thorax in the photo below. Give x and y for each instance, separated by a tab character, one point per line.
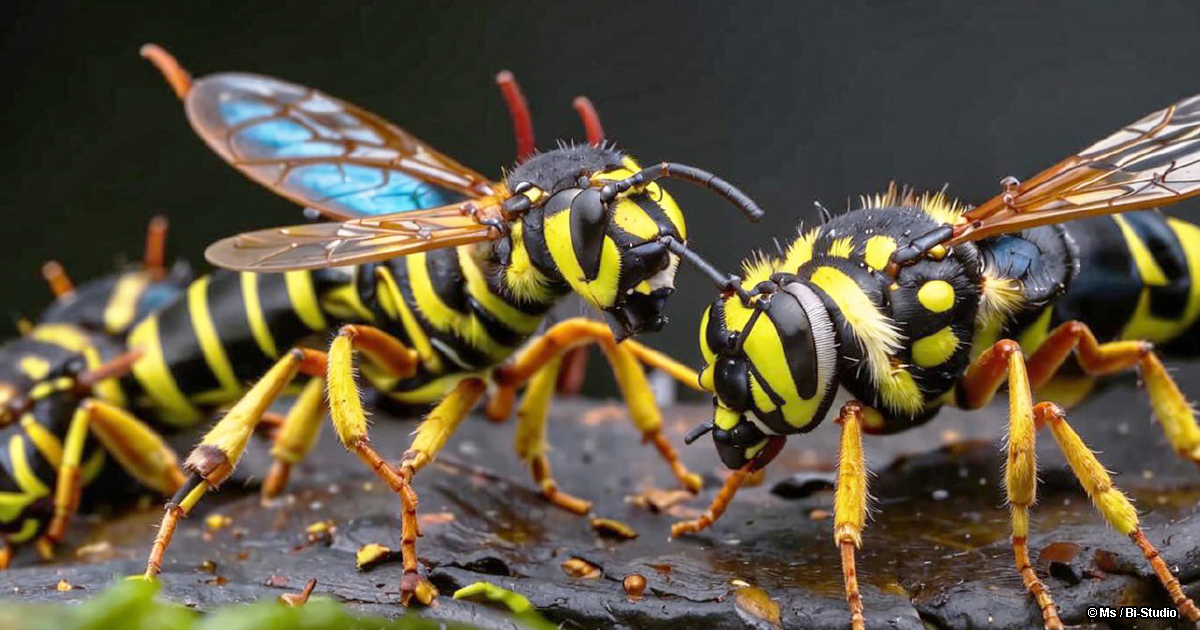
303	297
392	301
725	418
208	337
878	251
34	367
630	217
935	349
22	470
937	296
477	287
43	440
254	315
800	251
122	304
841	248
526	282
152	373
1033	336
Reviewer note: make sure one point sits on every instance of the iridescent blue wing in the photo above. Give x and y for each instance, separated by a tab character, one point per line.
1149	163
322	152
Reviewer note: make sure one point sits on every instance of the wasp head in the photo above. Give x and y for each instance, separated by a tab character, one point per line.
771	365
604	242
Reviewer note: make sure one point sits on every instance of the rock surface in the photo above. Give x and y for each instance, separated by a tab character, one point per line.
935	554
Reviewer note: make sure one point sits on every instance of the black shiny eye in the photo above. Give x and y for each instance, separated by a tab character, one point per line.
589	216
731	379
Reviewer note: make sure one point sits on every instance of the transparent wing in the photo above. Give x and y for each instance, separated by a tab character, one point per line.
322	152
1149	163
318	245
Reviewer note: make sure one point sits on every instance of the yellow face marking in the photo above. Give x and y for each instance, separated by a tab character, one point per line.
878	251
705	351
152	374
34	367
630	217
754	450
706	378
600	292
122	305
764	348
842	247
934	349
303	297
726	418
208	337
936	295
762	402
394	305
254	315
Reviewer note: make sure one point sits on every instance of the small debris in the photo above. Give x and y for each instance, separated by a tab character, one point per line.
940	494
580	568
321	532
299	599
818	514
276	581
754	605
95	551
208	566
611	528
372	554
217	522
634	585
658	500
950	436
64	586
219	580
435	518
602	414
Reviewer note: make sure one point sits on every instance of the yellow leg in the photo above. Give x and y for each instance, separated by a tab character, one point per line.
850	505
136	448
626	361
296	437
531	437
350	423
214	459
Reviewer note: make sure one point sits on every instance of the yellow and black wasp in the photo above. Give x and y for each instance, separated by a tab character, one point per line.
437	276
915	301
62	408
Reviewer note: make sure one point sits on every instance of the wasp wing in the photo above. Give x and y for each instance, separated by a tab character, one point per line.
319	245
322	152
1150	163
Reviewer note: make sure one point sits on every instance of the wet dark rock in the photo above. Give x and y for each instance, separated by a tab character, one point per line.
925	563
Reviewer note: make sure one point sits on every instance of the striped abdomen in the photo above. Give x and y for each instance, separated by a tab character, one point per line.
1137	278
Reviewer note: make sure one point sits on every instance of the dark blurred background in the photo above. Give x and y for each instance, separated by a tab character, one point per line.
792	101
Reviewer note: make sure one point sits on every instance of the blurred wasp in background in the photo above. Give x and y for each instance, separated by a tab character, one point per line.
438	277
915	301
64	418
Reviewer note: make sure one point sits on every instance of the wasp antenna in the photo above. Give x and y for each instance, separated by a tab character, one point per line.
591	120
727	282
156	247
56	277
176	76
518	109
698	176
826	215
697	431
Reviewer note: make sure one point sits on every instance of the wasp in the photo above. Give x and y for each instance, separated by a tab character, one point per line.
915	301
63	411
437	276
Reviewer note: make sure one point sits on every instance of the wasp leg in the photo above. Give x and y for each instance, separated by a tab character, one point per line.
301	428
1098	359
1110	501
850	504
6	554
137	448
530	441
718	505
624	358
214	459
1004	362
297	436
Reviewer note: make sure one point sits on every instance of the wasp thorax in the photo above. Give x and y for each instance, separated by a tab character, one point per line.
771	365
